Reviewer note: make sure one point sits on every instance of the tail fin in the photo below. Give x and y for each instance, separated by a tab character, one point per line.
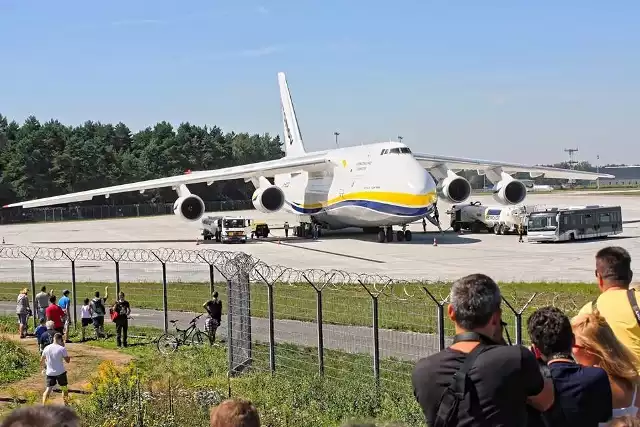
293	145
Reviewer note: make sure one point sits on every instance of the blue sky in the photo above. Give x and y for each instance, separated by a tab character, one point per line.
512	81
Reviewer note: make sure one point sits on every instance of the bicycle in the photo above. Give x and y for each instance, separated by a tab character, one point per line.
169	342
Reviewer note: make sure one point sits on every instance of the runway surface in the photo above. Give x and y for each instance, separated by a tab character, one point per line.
408	346
501	257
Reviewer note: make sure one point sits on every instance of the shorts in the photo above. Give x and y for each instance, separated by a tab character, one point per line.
41	313
61	380
86	321
212	325
98	322
22	318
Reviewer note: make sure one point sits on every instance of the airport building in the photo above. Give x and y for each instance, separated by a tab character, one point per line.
624	176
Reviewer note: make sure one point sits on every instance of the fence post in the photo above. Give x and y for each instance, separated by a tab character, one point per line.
229	329
376	332
117	262
73	289
33	287
272	340
165	308
518	316
440	305
319	320
211	276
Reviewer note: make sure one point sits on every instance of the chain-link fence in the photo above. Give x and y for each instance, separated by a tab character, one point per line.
66	213
330	322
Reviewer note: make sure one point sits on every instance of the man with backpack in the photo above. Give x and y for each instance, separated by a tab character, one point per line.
214	309
97	305
478	381
120	316
617	303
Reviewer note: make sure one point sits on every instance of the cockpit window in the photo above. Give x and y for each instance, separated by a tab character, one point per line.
400	150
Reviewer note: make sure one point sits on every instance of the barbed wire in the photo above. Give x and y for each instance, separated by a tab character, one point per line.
230	263
227	262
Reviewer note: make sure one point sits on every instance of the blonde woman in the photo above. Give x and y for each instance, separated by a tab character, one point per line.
22	310
596	345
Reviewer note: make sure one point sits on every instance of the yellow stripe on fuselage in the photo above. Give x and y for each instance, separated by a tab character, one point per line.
402	199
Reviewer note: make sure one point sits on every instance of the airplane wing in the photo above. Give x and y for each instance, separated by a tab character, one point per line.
483	166
267	169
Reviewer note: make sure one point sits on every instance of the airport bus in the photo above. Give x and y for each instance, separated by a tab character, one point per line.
574	223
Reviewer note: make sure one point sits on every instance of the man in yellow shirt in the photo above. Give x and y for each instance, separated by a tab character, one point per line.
613	271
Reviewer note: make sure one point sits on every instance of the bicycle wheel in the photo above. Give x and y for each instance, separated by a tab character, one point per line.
199	338
167	343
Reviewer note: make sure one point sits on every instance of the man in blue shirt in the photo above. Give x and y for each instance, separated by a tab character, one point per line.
582	394
64	303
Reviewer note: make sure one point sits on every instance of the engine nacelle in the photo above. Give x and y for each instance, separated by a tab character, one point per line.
509	191
190	208
454	188
268	199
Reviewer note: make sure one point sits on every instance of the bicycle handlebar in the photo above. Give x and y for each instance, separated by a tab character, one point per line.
197	317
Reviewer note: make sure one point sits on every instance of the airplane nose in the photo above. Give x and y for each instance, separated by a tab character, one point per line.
419	180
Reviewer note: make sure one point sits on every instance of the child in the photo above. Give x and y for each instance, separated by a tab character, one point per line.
86	313
40	329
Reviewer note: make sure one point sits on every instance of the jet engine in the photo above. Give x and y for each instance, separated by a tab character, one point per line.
454	188
509	191
190	208
268	199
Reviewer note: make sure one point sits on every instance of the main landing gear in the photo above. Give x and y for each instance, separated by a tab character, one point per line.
386	235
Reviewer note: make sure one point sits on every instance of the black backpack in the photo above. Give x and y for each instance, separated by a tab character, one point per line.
99	307
447	415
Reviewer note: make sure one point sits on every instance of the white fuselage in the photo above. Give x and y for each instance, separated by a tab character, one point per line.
365	189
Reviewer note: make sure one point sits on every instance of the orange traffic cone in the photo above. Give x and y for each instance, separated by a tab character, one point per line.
435	242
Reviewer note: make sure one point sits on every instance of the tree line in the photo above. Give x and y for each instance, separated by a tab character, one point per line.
48	159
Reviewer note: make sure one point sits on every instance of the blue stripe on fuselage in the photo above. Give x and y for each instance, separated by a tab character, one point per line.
390	209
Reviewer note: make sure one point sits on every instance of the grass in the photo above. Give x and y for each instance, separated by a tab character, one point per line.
16	362
402	307
294	395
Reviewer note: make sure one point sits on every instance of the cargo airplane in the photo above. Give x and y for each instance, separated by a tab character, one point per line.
374	186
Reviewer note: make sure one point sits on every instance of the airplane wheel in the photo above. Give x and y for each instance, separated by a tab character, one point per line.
496	229
400	236
407	235
456	227
389	234
382	237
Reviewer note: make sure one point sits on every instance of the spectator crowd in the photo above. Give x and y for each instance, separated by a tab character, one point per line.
578	372
581	371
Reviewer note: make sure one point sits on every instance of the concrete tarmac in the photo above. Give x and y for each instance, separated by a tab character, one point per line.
501	257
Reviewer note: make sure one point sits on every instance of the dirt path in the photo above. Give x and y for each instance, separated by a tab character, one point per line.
84	361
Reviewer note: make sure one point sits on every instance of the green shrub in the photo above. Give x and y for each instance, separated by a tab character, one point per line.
179	389
16	363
